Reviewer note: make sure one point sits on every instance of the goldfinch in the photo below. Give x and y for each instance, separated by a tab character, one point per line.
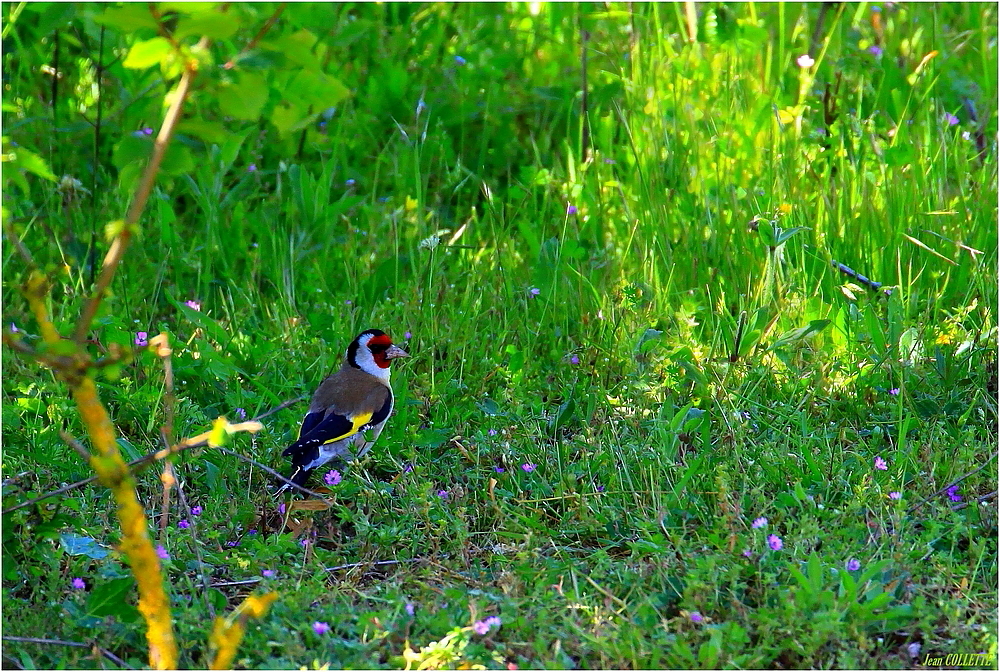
349	409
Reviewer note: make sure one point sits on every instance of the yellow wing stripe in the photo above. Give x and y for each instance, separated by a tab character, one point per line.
358	421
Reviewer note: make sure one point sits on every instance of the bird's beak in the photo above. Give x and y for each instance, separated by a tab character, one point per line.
395	351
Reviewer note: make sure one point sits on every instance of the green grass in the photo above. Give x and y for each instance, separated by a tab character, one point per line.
655	449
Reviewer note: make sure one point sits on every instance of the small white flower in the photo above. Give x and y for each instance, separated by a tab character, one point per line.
805	61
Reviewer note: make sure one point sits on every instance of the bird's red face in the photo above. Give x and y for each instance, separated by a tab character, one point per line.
384	351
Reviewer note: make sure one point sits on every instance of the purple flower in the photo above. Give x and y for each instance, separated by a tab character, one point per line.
195	510
895	495
953	494
748	553
600	488
609	161
13	327
332	477
147	130
534	291
951	119
853	565
410	608
528	467
407	335
880	464
408	468
570	209
305	543
252	531
460	60
350	183
574	360
161	553
141	338
759	523
493	621
875	50
498	469
183	524
894	391
492	432
232	544
480	628
774	542
696	617
281	508
321	628
269	573
242	413
195	305
252	168
443	494
347	302
78	584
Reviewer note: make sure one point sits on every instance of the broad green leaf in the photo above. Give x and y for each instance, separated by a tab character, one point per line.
799	334
177	160
245	96
127	18
765	229
288	118
108	599
75	544
148	53
785	234
214	24
297	48
212	132
131	149
24	159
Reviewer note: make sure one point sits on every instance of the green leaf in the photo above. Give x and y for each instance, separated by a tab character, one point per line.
212	132
177	160
765	229
431	438
75	544
297	48
288	118
648	340
785	234
489	407
563	416
244	97
799	334
128	18
131	149
148	53
108	599
214	24
26	160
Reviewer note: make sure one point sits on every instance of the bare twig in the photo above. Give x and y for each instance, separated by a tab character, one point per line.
141	463
122	240
978	500
377	563
82	645
231	63
18	244
271	472
953	483
74	444
197	546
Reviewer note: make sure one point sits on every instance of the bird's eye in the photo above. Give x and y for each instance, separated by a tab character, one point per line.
377	347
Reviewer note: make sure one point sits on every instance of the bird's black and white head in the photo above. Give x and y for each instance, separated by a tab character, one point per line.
372	352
